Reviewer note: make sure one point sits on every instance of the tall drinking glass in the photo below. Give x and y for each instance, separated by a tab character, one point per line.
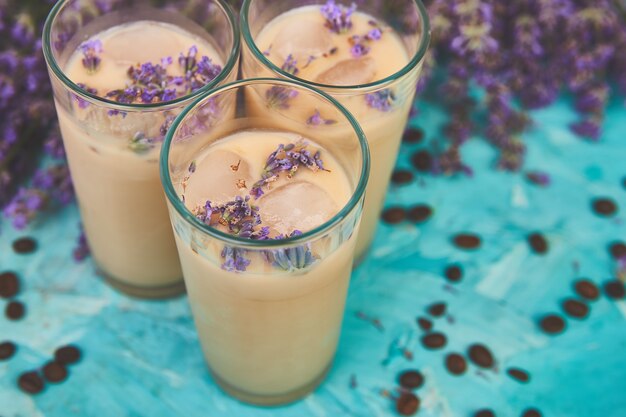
267	300
121	71
367	56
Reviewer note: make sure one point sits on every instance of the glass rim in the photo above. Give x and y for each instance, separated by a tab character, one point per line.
95	99
236	241
413	62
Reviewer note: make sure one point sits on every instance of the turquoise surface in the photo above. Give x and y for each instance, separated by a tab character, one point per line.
143	358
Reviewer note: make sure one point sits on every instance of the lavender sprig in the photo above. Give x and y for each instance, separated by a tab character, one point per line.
278	97
287	159
338	17
382	100
91	51
299	257
316	119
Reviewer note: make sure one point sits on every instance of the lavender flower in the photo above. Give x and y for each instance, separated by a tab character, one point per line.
316	120
382	100
278	97
338	17
81	251
290	65
91	51
287	159
290	259
539	178
234	259
358	50
139	143
82	103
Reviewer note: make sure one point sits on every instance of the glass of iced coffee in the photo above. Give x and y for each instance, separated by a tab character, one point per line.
265	203
368	57
121	71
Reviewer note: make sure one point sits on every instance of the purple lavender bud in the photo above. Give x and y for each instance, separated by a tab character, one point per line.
290	65
358	50
374	34
91	50
539	178
338	18
81	251
278	97
207	70
381	100
587	128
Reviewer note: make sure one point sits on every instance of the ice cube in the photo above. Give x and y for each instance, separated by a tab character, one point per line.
349	72
122	125
302	39
219	177
296	206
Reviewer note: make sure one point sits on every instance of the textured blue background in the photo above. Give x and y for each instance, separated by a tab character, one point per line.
143	358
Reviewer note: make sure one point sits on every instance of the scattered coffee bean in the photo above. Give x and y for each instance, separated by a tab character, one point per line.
437	309
54	372
422	161
25	245
467	241
480	355
7	350
576	309
538	243
394	215
552	324
453	273
419	213
485	412
30	382
614	289
401	176
617	250
15	310
9	285
518	374
531	412
434	340
407	404
604	207
411	379
67	355
456	364
424	324
587	289
413	135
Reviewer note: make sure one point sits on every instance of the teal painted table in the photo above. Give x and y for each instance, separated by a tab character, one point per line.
143	358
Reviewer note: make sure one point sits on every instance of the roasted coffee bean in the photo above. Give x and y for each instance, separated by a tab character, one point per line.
30	382
7	350
394	215
424	324
485	412
538	243
411	379
401	176
15	310
422	161
576	309
552	324
434	340
617	250
456	364
614	289
24	245
587	289
531	412
9	285
453	273
54	372
413	135
437	309
407	404
419	213
604	207
518	374
67	355
480	355
467	241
